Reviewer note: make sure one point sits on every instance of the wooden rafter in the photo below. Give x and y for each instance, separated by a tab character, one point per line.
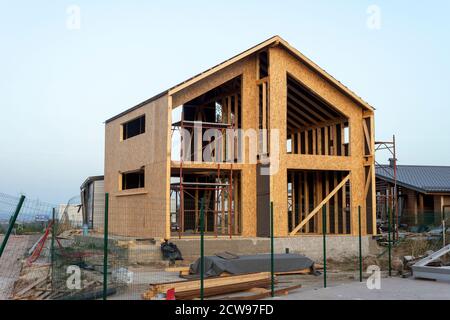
319	207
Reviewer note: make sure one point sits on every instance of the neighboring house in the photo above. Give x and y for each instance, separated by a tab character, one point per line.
314	136
72	212
423	191
93	202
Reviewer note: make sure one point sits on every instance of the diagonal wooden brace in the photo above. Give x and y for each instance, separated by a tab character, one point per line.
319	207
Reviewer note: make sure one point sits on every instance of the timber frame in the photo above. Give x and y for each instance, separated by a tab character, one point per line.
324	151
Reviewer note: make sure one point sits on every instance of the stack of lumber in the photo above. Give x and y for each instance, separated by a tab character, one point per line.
261	293
188	290
184	271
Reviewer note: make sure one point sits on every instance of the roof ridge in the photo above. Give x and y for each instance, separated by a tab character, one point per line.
276	39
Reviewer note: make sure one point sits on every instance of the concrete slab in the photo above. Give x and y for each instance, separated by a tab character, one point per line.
391	289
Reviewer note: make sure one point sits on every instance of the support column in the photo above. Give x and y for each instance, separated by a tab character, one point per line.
277	116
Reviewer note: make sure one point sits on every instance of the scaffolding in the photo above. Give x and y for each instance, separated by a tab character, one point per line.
219	190
388	200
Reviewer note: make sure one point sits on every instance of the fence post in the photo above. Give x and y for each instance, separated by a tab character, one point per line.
360	245
53	235
324	231
272	264
389	242
202	249
105	249
11	224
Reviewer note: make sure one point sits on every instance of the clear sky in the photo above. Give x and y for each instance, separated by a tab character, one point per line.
59	83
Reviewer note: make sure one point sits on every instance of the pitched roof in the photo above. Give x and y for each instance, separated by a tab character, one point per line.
425	179
276	40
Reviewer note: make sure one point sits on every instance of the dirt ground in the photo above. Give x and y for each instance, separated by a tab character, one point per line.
10	262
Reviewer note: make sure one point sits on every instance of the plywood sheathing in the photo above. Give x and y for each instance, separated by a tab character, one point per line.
143	211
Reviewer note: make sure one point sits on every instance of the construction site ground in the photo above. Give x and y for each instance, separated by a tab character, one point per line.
394	288
342	276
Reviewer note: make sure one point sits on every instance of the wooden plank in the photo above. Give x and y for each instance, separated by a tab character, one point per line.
176	269
299	198
314	141
326	146
31	286
344	211
220	290
319	141
306	186
327	206
336	207
335	141
368	181
302	271
294	199
319	207
264	293
306	142
211	285
236	205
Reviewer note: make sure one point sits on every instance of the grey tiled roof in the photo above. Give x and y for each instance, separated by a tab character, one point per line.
427	179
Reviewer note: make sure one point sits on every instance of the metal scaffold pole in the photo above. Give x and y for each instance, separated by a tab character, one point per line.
11	224
389	242
105	249
360	245
324	231
202	249
272	262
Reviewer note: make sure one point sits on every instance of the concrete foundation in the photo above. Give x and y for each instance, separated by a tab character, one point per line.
136	252
338	247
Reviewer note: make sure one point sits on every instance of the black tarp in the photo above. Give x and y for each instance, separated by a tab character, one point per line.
214	265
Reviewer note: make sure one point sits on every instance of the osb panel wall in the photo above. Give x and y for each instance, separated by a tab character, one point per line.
140	212
282	62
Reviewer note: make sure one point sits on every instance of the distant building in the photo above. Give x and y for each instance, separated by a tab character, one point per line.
74	215
93	202
424	192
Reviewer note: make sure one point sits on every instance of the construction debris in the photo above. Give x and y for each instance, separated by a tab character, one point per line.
35	283
423	269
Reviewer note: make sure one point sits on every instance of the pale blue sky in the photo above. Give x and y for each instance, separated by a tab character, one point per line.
57	86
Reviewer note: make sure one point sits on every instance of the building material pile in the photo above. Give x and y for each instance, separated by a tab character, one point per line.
232	264
188	290
423	269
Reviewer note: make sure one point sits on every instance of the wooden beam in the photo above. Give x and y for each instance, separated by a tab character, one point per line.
367	136
368	180
306	186
315	105
319	207
336	207
292	105
302	105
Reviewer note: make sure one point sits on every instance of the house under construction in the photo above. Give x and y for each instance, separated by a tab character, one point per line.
276	129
